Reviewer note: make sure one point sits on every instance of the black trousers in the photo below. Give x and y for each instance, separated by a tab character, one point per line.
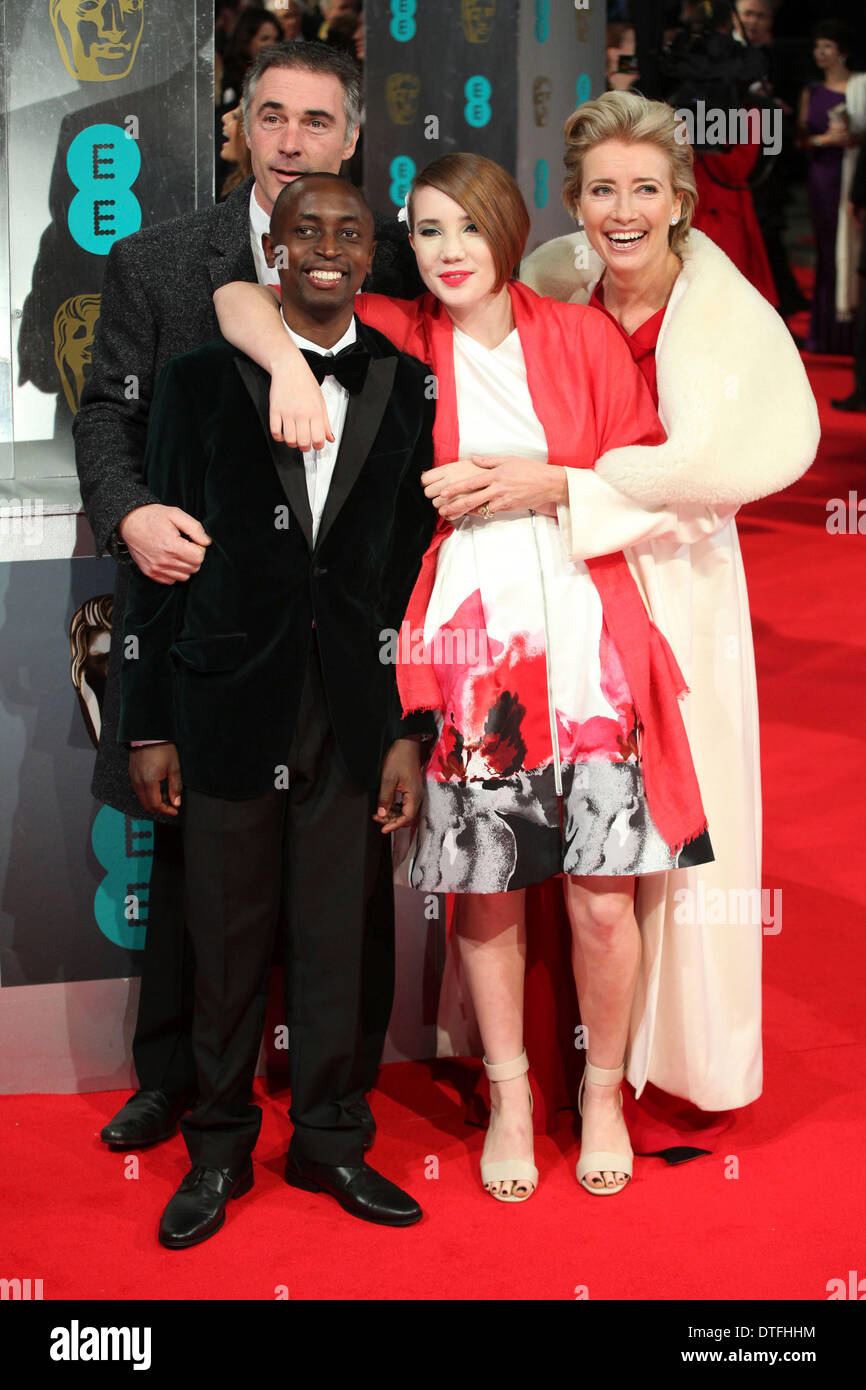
162	1045
314	848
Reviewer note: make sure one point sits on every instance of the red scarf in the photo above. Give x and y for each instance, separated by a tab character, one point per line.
547	332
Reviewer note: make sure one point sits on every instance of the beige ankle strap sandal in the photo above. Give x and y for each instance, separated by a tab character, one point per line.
602	1160
511	1170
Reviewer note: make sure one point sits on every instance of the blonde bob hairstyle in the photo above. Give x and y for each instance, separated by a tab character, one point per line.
632	119
489	197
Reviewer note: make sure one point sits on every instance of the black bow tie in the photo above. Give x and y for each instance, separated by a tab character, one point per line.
349	366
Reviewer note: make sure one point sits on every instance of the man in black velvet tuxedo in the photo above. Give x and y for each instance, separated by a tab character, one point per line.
262	674
301	112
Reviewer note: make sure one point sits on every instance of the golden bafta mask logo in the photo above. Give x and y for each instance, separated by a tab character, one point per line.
478	19
402	90
74	325
542	89
98	39
89	644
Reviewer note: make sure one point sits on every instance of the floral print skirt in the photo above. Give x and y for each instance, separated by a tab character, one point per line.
536	769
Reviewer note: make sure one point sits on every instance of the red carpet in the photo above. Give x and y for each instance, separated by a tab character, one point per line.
775	1214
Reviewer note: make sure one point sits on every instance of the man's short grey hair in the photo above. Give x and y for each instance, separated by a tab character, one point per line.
307	57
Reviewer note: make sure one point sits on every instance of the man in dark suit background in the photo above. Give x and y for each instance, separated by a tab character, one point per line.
279	710
302	112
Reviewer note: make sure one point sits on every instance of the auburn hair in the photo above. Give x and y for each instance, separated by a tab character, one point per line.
490	198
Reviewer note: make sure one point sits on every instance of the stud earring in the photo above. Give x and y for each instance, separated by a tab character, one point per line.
580	224
674	221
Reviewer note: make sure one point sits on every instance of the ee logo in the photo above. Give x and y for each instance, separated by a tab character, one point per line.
584	87
477	109
402	171
541	193
542	20
403	25
124	848
103	162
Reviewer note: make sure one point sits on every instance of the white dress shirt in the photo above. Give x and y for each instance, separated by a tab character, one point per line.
319	463
260	221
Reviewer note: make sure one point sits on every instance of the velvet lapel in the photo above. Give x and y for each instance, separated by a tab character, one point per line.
363	418
288	462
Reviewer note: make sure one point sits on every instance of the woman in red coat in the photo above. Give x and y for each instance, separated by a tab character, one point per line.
560	747
726	212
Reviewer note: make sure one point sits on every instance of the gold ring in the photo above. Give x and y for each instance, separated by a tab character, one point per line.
485	511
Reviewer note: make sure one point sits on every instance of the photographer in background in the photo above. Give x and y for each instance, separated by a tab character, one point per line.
709	71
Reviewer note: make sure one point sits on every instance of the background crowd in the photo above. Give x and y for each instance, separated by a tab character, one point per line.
797	196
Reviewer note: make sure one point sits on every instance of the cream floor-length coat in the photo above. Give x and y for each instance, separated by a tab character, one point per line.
742	423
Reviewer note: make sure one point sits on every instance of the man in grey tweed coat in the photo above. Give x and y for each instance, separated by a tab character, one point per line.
302	108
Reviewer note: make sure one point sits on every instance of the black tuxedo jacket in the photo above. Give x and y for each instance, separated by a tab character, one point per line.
217	664
157	302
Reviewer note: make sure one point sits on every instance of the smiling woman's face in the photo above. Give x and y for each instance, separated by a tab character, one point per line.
454	259
627	202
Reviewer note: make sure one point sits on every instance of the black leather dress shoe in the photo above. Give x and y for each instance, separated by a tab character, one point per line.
855	402
361	1191
148	1117
198	1208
